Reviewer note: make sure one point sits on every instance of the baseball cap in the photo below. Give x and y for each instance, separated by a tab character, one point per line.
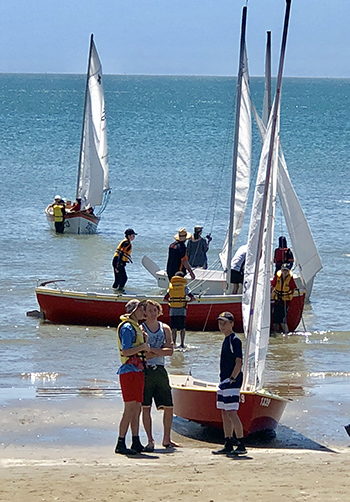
131	306
226	316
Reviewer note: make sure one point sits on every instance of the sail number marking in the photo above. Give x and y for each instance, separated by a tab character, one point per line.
265	401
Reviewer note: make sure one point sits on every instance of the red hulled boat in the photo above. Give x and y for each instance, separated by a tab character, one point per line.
102	309
195	400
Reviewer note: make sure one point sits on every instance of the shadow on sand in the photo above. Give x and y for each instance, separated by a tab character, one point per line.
284	437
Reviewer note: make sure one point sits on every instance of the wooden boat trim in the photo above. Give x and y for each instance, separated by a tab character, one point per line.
202	386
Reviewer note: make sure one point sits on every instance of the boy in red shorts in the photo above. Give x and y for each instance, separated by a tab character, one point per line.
132	345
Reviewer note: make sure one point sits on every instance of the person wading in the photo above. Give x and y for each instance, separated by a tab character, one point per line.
177	298
122	256
283	286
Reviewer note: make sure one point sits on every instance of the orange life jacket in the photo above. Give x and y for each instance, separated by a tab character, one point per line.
177	292
282	289
125	250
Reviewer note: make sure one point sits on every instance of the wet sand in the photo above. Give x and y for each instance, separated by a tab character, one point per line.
64	450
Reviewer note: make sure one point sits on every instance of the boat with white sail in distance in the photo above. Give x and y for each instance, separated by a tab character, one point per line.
93	179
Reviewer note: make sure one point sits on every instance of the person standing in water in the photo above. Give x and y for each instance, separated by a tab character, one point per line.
283	286
177	298
59	213
122	256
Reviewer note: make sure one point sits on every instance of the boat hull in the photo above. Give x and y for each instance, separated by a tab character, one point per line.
195	400
99	309
76	223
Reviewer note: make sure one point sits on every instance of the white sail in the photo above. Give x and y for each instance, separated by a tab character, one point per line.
256	304
93	166
307	259
243	162
256	298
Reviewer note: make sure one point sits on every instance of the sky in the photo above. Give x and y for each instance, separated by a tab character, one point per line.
172	37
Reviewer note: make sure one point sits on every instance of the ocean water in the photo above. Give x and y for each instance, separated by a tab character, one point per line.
170	146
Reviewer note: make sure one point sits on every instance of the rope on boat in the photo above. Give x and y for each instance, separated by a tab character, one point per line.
196	283
206	321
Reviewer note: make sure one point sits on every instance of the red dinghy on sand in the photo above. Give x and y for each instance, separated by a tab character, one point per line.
195	400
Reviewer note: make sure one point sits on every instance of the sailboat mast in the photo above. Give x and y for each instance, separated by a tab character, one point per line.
235	149
83	126
267	95
266	187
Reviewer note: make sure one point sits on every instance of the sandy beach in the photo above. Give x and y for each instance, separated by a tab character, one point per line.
64	450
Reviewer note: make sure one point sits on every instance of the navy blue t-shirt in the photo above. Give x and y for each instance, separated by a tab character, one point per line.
177	251
231	349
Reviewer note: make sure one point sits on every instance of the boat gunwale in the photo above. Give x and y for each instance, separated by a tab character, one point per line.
114	297
78	214
193	387
261	393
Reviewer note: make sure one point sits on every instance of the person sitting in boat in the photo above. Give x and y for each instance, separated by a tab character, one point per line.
59	212
177	257
122	256
231	378
237	269
76	206
157	385
89	210
177	298
197	248
133	346
283	255
283	286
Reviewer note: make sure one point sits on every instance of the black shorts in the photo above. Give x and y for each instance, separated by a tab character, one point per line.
236	277
178	321
280	311
157	387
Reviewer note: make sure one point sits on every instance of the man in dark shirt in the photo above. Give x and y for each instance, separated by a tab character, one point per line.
177	258
231	378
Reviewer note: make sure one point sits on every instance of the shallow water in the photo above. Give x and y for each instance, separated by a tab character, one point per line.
170	142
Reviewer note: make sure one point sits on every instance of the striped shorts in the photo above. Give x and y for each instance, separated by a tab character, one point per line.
227	396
